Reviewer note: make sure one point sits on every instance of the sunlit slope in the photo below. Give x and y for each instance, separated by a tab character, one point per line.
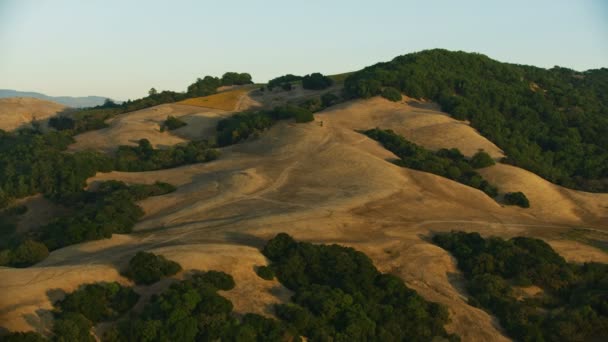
321	182
16	112
228	100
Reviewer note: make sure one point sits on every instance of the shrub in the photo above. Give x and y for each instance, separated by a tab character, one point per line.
73	327
148	268
391	94
265	272
173	123
29	336
316	81
329	99
481	159
517	198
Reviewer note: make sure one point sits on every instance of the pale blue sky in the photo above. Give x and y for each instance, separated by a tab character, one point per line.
122	48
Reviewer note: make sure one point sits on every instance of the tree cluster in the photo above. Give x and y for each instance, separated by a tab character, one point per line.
391	94
92	215
235	78
552	122
283	81
148	268
316	81
574	302
241	126
172	123
446	163
192	310
340	296
517	198
144	157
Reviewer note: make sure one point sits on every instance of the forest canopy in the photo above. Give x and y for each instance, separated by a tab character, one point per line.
572	307
552	122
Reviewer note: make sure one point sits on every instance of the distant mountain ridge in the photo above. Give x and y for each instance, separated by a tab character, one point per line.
70	101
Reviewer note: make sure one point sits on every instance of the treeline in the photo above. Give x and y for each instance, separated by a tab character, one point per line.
314	81
552	122
32	162
572	307
340	296
241	126
144	157
94	118
92	215
446	163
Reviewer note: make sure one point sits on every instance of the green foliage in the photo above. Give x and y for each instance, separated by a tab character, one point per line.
241	126
173	123
144	157
552	122
26	254
73	327
29	336
265	272
316	81
99	302
572	306
282	81
235	78
202	87
148	268
517	198
481	159
192	310
97	215
35	163
62	123
391	94
329	99
339	295
446	163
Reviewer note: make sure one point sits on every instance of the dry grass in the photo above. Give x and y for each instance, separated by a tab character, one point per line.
324	184
227	100
18	112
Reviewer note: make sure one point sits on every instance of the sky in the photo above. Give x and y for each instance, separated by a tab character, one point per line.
120	48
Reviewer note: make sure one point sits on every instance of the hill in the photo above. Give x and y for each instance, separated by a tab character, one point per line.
68	101
19	112
322	182
552	122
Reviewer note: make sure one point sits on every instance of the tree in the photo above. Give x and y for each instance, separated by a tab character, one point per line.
481	159
152	92
391	94
28	253
517	198
148	268
316	81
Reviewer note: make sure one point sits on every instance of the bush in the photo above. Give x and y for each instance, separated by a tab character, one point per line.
391	94
329	99
481	159
173	123
316	81
148	268
517	198
265	272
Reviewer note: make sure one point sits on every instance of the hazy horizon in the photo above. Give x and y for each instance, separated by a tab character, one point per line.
117	50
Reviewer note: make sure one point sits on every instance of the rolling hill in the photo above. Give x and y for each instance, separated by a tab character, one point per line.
68	101
322	182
